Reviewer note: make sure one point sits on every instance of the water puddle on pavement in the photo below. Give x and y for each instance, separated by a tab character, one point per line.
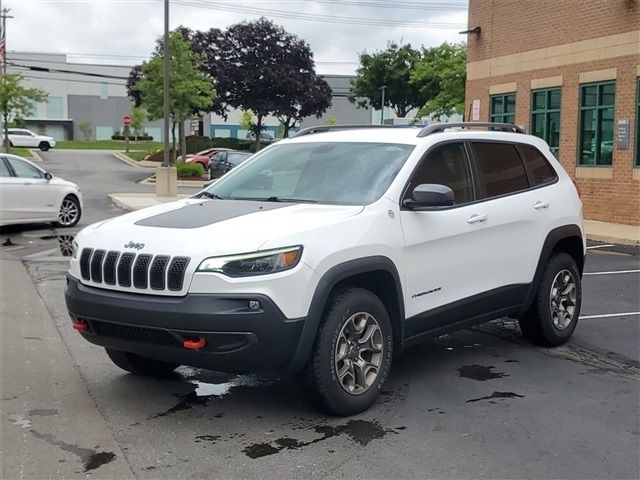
480	372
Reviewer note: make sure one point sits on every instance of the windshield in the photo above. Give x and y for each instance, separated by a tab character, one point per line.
332	173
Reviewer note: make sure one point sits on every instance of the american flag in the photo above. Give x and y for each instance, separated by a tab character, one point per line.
2	41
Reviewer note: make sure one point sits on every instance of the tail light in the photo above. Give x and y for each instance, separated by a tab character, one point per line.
575	184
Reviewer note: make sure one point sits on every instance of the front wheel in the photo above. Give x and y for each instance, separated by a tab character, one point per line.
553	317
140	365
352	354
69	214
44	146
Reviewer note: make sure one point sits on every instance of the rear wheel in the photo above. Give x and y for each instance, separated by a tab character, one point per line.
70	213
553	317
352	354
140	365
44	146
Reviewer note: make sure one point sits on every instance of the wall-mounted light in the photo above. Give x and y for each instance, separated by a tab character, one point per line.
475	30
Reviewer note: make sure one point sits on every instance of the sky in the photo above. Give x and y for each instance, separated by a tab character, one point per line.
124	31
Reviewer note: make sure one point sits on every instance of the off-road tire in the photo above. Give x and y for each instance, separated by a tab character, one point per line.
537	324
318	380
141	365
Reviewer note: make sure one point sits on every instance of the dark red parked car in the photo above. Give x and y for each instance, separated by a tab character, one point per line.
204	157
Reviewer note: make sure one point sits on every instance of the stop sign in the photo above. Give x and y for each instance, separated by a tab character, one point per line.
126	120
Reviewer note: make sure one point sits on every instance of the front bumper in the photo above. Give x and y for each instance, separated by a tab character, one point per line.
238	339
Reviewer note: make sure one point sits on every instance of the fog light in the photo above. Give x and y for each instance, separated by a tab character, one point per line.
254	305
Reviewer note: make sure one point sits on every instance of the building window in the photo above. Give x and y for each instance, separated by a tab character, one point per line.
503	108
104	91
597	111
54	107
637	163
545	116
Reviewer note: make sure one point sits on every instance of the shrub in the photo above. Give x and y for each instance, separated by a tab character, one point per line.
189	169
197	143
120	136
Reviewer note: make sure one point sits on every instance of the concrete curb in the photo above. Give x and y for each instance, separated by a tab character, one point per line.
614	240
35	155
123	158
181	183
612	232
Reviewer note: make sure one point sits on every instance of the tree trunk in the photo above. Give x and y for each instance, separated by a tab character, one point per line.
173	144
183	141
258	132
7	147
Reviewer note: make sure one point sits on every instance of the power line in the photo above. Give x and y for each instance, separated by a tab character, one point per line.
317	17
72	72
74	80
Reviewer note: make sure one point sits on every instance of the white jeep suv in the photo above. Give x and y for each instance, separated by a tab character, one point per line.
326	254
21	137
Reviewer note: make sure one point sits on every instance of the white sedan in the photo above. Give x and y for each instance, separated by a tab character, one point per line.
29	194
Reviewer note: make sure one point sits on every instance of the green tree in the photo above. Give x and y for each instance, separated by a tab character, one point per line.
246	120
191	90
16	101
440	75
392	69
86	129
138	117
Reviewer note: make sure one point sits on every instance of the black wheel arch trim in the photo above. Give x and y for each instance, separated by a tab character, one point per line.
327	282
553	237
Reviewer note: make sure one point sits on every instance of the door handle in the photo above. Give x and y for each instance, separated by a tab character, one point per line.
475	218
539	205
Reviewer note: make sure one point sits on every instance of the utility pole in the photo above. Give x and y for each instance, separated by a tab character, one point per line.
166	60
382	88
4	14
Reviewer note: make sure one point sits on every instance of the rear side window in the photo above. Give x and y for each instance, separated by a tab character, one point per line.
540	170
501	168
4	171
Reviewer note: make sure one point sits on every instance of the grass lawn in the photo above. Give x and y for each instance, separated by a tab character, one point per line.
23	152
106	145
137	155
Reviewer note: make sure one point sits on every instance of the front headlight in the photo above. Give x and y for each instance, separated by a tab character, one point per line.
256	263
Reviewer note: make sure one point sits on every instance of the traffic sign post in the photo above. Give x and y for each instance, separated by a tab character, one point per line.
126	121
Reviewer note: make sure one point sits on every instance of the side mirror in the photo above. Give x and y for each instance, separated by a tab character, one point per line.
429	195
48	176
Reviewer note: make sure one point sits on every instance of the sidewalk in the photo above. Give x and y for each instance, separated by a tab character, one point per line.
136	201
50	425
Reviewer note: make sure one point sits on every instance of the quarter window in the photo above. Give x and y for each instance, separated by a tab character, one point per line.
501	168
545	116
503	108
446	165
540	170
23	169
596	123
4	171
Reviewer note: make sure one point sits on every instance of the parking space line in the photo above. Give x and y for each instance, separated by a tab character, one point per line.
599	246
609	315
612	272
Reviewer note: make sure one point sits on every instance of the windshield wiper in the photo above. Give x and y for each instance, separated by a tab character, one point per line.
292	200
213	196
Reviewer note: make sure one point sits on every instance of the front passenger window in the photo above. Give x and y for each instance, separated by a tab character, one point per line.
23	169
446	165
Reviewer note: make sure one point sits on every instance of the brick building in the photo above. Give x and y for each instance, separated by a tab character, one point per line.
568	71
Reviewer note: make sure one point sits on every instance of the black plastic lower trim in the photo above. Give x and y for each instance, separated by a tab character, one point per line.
238	339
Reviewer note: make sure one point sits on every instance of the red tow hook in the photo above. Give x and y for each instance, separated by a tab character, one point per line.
195	344
81	325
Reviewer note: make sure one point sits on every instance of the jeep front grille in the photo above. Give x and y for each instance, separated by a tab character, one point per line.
143	271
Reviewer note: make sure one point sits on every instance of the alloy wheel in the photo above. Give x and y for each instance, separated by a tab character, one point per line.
68	212
562	299
358	353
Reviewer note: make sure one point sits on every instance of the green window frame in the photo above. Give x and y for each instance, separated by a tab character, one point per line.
637	159
545	116
503	108
596	124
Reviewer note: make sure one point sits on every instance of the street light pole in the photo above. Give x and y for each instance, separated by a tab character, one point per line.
166	60
382	88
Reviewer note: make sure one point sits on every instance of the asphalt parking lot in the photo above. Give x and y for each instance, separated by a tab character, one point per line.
481	403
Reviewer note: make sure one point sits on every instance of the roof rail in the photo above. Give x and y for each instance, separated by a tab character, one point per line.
329	128
441	127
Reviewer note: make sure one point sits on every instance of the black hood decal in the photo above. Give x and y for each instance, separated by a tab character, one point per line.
208	212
